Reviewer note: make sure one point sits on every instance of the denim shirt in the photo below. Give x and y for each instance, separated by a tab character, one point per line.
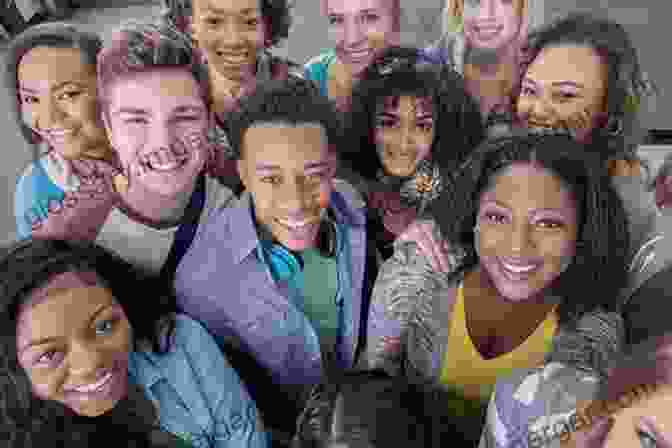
343	299
222	282
198	395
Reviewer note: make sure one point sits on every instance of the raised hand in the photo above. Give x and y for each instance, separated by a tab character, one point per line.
422	233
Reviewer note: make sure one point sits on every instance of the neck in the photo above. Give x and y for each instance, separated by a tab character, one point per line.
155	210
224	90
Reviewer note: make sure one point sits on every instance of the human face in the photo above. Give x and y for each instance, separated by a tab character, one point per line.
230	32
491	24
157	122
646	423
565	86
73	338
59	101
527	231
359	28
404	133
288	170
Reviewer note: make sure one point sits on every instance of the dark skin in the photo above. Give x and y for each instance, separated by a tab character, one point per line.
485	311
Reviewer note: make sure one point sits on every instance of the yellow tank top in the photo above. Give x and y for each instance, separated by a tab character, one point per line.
467	373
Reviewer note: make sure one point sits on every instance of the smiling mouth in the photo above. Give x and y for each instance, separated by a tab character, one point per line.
163	167
358	56
233	59
518	272
94	387
488	32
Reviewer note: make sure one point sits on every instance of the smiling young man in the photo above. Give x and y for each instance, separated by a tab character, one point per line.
281	277
155	110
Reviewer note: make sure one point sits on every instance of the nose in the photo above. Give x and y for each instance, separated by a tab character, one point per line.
161	136
487	11
407	138
354	34
231	36
521	238
295	198
86	363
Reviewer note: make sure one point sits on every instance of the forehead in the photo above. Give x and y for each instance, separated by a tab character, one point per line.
48	65
285	146
158	89
406	103
559	63
354	6
530	183
226	6
62	310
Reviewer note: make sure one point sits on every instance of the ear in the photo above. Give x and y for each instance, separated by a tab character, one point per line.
241	167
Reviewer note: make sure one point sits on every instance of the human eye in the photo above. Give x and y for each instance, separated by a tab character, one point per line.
211	21
47	357
371	17
253	22
28	99
189	118
69	95
550	223
564	96
527	90
105	326
273	180
134	120
385	122
494	217
335	20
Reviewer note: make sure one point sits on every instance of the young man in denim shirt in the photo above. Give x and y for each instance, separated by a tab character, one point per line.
280	279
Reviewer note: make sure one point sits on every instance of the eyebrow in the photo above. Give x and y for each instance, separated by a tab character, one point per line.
578	85
534	211
55	338
140	111
58	86
215	10
308	166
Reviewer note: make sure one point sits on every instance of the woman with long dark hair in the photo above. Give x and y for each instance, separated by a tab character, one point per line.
82	356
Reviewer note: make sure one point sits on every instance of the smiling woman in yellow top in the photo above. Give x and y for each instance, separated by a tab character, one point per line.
529	220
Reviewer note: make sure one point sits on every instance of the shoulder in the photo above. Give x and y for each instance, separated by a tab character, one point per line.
218	196
528	402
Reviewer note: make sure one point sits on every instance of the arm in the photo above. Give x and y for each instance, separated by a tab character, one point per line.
235	416
405	283
590	343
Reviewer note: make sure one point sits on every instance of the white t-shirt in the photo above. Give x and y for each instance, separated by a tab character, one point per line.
147	247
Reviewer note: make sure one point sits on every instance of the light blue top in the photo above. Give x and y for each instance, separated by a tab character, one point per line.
35	190
317	69
199	396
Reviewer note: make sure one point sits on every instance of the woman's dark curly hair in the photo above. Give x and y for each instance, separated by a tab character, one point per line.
602	240
30	264
276	13
401	71
626	84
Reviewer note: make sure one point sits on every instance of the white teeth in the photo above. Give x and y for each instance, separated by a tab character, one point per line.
95	386
295	226
518	269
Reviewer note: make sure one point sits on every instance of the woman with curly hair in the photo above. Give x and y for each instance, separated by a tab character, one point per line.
359	30
532	220
83	359
408	118
234	38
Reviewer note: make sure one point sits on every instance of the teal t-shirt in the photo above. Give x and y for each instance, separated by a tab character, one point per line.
320	286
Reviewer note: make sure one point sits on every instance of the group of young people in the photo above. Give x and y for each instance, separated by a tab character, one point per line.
454	244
